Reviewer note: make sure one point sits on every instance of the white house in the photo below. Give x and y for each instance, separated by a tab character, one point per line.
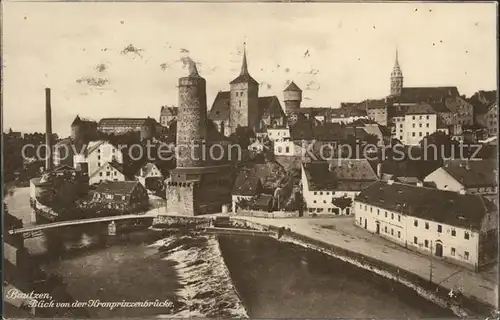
110	171
472	176
285	148
322	182
96	155
449	225
149	170
420	121
278	133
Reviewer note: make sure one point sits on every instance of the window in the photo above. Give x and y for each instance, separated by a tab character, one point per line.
415	223
239	103
420	134
98	164
399	234
360	206
413	126
452	252
280	149
99	157
453	232
420	125
314	201
413	117
315	193
392	232
440	228
427	117
466	255
385	229
386	214
427	225
365	207
324	201
287	149
392	216
427	125
426	243
100	174
108	173
413	134
371	209
399	218
420	117
415	240
466	236
321	193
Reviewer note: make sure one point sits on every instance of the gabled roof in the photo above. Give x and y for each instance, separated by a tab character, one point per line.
292	87
428	94
169	111
117	187
421	108
452	208
473	173
342	175
117	166
244	75
146	169
220	110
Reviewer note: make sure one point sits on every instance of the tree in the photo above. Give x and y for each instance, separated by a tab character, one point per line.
342	202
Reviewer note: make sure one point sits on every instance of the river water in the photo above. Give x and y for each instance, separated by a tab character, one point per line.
202	275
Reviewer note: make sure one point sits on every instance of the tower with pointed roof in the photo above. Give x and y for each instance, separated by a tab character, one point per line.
292	97
396	78
244	99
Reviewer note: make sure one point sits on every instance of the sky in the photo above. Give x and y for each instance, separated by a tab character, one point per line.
124	59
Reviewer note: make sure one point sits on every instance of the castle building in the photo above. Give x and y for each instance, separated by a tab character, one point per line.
195	186
241	106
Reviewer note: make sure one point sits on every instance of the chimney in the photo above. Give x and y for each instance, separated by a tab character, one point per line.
379	170
48	130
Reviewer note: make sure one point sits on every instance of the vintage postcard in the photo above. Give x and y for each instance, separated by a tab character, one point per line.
249	159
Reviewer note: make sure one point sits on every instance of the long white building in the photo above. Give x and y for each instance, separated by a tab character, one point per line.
448	225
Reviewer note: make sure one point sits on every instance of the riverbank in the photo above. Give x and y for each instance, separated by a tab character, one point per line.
341	239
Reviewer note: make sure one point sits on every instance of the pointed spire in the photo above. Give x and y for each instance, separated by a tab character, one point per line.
396	71
244	66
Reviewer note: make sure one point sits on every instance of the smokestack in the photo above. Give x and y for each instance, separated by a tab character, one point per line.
48	130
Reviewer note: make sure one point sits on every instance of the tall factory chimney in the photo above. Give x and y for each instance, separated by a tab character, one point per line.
48	130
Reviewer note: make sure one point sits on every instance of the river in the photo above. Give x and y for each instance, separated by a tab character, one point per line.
201	275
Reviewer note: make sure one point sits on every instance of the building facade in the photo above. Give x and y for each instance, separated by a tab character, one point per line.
458	228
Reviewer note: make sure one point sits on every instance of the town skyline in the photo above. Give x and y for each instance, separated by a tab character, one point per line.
112	68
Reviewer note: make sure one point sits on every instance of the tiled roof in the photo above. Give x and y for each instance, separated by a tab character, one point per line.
117	187
169	111
124	121
292	87
270	105
146	169
220	107
440	206
428	94
422	108
439	107
343	175
473	173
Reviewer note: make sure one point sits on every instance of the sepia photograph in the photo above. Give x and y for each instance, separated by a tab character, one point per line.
219	159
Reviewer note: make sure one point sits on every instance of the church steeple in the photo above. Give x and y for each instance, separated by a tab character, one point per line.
244	74
396	78
244	66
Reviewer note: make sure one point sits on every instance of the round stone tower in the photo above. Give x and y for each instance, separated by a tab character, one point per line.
292	97
191	119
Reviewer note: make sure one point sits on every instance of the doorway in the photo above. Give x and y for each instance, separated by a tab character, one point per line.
378	227
439	250
366	223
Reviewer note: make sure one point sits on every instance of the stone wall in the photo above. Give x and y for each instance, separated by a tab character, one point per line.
265	214
180	198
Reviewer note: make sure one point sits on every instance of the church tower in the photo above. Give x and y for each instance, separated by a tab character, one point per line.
396	78
244	99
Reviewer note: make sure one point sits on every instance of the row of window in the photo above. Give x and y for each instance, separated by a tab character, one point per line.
452	250
420	117
419	125
108	174
328	193
440	229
